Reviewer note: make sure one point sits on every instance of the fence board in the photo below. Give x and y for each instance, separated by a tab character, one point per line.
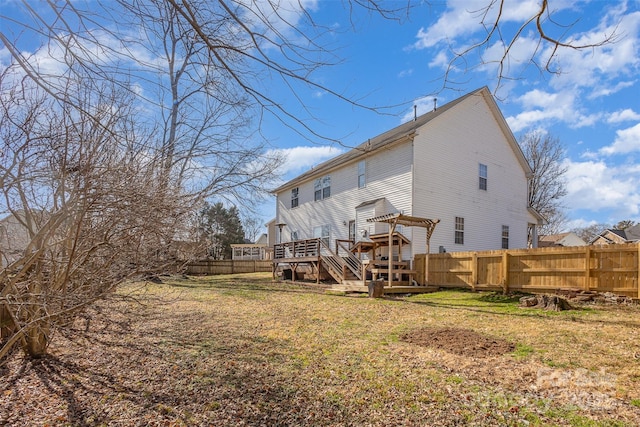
612	268
213	267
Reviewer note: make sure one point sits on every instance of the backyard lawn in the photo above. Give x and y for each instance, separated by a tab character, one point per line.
241	350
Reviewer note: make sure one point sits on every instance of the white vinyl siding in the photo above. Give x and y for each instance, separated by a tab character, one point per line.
435	175
448	153
388	176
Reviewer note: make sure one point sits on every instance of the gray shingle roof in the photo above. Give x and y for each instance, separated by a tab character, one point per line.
394	135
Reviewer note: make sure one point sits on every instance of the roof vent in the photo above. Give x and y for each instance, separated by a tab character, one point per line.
415	112
435	104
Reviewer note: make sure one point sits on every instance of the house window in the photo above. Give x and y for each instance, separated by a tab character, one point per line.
294	235
294	198
322	232
362	167
459	234
505	237
482	176
322	188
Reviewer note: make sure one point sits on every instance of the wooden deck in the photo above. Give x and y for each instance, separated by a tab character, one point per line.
358	287
312	259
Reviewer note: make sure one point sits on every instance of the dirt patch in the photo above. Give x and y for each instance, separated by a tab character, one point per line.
463	342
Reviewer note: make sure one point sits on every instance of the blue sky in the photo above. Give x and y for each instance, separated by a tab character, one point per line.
592	105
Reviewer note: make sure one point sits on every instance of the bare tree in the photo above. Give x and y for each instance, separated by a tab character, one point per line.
624	224
590	232
253	227
86	191
103	181
546	187
552	37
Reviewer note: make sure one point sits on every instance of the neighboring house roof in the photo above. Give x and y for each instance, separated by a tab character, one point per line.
611	236
633	233
406	132
561	239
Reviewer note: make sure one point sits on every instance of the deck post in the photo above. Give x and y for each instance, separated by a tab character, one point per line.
392	229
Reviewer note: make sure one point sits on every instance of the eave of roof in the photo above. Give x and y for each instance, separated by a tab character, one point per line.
406	132
398	134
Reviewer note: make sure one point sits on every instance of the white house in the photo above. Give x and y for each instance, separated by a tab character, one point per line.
459	163
563	239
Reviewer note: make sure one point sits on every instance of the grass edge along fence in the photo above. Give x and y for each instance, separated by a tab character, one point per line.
611	268
213	267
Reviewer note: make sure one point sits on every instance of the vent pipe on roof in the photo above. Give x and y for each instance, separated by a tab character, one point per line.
415	112
435	104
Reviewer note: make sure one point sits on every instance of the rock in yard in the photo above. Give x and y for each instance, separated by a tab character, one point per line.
545	302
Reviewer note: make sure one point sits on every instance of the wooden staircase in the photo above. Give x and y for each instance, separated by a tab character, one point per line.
344	266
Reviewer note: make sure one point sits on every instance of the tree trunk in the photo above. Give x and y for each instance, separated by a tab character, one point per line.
36	341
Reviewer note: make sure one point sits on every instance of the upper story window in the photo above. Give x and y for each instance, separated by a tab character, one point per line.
294	235
482	176
505	237
362	167
294	198
322	188
459	231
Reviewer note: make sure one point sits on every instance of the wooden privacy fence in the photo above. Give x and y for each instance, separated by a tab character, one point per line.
211	267
612	268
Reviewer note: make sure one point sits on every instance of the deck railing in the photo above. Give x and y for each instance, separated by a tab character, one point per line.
337	263
297	249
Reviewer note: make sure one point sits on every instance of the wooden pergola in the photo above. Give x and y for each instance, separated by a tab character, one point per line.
396	219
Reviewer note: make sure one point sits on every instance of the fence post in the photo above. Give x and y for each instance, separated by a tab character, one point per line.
474	271
638	270
587	268
505	272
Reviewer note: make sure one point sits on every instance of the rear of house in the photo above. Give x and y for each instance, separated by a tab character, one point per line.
459	164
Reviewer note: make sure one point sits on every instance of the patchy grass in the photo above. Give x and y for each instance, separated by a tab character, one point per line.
241	350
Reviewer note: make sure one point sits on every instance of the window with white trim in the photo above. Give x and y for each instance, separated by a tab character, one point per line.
505	237
482	177
322	188
294	197
459	231
323	232
362	168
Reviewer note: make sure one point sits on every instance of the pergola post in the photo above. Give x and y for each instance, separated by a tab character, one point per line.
392	229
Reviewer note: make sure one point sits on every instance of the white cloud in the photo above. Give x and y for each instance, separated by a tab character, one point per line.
300	159
627	141
463	17
606	90
547	107
595	67
623	115
597	186
405	73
